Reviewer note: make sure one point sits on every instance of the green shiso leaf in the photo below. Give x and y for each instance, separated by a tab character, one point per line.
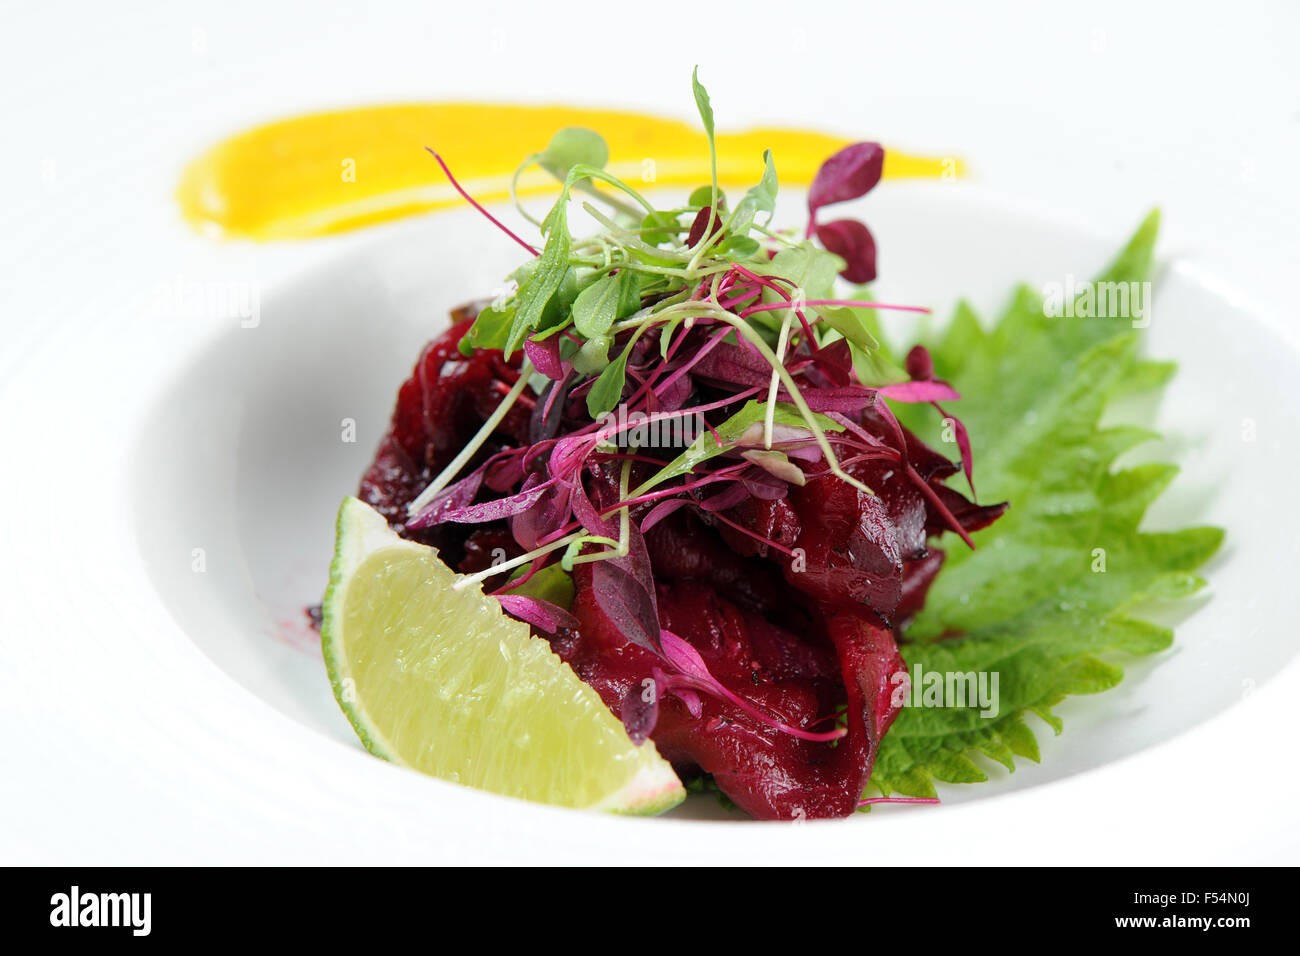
1049	597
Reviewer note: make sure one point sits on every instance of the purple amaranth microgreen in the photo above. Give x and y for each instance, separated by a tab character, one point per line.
745	294
852	242
693	673
774	284
691	362
587	514
445	477
963	445
485	511
551	511
549	545
887	414
601	434
939	506
470	199
540	613
553	392
843	398
651	386
663	510
728	473
852	172
921	368
454	497
836	303
862	434
572	542
502	389
608	387
848	174
747	332
919	391
545	356
706	231
882	408
620	547
624	591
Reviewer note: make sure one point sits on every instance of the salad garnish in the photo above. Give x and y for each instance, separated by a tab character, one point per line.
743	283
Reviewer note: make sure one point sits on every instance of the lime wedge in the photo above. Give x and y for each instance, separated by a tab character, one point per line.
442	681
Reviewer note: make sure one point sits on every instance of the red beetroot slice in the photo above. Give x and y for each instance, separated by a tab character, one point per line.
682	547
766	772
849	547
439	409
918	575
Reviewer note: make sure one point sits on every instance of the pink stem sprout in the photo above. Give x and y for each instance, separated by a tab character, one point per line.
470	199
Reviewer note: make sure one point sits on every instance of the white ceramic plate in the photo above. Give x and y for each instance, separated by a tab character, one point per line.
172	478
258	428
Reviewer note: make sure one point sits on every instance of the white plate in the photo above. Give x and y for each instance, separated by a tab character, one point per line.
160	713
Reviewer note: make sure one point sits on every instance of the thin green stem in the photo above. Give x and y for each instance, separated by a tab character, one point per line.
743	328
770	418
527	558
484	433
632	241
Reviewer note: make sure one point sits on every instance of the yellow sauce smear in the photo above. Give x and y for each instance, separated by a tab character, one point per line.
324	173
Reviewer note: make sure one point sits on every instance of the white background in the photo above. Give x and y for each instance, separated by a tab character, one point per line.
1092	111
